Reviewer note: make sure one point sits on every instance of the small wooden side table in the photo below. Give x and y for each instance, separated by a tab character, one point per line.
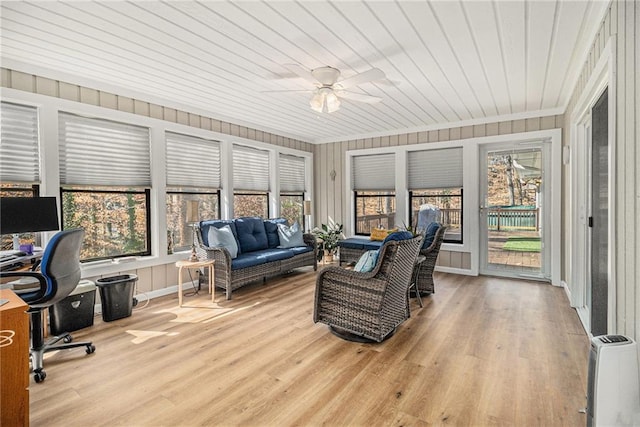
185	263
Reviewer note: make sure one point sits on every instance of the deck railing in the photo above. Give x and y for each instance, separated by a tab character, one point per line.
366	222
499	219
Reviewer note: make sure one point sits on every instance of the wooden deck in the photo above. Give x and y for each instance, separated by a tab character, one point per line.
501	259
483	351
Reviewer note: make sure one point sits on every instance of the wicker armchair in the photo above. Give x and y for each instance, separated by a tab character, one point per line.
368	307
424	275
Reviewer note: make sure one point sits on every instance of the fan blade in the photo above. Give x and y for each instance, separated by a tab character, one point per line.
287	91
301	72
367	76
359	97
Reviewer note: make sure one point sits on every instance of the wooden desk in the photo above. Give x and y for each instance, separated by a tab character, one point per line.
14	361
195	265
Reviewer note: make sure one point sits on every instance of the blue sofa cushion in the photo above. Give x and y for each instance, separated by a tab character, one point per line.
398	235
252	235
218	223
271	227
262	256
360	243
300	250
430	234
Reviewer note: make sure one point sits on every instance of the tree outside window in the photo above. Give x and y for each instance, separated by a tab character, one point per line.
291	208
180	233
251	204
116	221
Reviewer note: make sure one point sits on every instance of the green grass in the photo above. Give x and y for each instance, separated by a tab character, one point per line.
522	244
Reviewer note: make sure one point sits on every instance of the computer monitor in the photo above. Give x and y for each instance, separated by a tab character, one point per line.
28	214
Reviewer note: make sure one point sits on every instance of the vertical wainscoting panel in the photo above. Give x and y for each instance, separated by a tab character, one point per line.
621	24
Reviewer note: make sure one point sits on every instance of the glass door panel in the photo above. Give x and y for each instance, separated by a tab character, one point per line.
512	212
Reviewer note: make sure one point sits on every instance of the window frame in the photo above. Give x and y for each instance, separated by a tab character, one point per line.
257	193
137	191
356	197
294	194
216	192
460	196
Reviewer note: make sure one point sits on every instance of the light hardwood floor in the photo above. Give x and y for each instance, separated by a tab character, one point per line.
482	351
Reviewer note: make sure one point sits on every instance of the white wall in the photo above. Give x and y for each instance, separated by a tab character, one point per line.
620	29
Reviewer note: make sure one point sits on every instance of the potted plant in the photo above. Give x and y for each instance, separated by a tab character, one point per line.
328	235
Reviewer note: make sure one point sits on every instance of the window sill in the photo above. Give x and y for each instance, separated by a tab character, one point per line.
118	265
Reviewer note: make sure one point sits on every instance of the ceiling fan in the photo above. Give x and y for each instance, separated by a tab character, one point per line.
329	90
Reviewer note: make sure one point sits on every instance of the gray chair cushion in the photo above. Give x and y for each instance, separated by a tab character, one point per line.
218	223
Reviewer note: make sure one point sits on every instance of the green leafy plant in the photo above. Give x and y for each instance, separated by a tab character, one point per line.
412	229
329	235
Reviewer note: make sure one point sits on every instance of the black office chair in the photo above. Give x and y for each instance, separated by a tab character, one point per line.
58	276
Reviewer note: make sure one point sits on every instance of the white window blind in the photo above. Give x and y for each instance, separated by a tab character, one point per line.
250	169
103	152
192	162
374	172
19	149
440	168
291	173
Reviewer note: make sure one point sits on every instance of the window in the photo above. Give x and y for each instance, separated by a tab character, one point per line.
373	181
105	178
251	204
250	182
449	201
292	188
435	177
374	210
291	208
114	220
193	173
19	159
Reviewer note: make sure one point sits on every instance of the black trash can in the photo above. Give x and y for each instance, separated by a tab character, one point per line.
75	311
116	295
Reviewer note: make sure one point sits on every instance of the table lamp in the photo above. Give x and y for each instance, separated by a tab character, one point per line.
27	215
193	216
306	210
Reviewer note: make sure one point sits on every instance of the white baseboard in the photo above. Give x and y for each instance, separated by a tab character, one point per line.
567	290
146	296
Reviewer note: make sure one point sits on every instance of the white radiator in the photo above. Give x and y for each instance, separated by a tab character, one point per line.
613	390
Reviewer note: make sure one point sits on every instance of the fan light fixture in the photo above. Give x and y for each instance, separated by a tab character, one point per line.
329	90
324	101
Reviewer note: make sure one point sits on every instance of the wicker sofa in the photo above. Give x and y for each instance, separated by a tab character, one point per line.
259	256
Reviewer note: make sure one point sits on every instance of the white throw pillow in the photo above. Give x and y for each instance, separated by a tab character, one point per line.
223	238
367	261
290	237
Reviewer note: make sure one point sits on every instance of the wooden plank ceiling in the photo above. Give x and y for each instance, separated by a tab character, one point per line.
446	62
